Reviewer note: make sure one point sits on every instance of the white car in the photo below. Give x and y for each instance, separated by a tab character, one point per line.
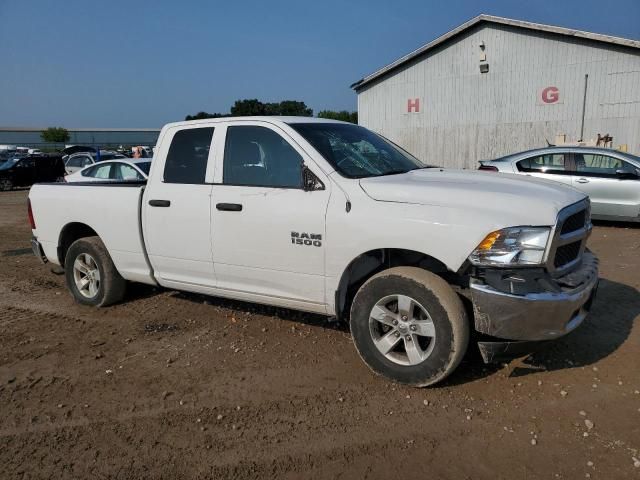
328	217
78	161
112	170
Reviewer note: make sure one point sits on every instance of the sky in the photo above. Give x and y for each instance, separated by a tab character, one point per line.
136	64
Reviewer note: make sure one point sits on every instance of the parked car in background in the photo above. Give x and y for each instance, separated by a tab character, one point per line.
27	170
78	161
71	149
8	155
610	178
113	170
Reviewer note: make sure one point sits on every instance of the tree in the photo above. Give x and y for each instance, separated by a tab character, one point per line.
294	108
248	108
55	135
251	107
203	115
343	115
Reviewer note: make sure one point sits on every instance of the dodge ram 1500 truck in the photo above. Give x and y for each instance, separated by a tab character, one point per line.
329	217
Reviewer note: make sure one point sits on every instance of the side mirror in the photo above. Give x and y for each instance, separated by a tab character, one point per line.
310	182
627	175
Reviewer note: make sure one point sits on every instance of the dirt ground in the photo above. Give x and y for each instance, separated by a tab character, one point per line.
170	385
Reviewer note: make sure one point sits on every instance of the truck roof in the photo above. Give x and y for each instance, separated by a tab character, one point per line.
271	119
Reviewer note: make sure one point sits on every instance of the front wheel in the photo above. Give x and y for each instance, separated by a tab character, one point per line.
91	275
410	326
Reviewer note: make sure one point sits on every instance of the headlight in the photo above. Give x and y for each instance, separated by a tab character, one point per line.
512	246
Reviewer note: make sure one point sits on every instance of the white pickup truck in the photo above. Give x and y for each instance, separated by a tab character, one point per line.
328	217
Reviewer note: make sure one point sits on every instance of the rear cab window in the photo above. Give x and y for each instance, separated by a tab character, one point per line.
188	155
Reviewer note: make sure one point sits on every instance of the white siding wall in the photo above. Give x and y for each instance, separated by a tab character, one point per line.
466	116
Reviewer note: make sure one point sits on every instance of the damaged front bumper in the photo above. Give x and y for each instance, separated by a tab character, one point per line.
519	321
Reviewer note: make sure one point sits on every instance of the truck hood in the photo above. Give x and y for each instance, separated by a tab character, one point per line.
528	200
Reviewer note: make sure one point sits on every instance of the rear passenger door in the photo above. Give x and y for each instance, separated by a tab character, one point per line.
268	232
177	209
611	183
552	166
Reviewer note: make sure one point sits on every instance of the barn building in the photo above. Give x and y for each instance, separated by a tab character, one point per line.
495	86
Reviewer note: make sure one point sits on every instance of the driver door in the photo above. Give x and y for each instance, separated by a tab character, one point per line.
613	192
268	232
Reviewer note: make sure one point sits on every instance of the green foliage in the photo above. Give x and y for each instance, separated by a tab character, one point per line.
341	115
55	135
293	108
248	107
252	107
203	115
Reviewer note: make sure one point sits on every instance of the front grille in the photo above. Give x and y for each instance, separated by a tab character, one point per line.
567	253
569	240
574	222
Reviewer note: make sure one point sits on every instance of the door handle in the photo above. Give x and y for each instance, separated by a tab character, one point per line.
160	203
229	207
582	180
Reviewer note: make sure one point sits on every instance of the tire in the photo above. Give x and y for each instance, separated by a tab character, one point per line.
431	340
5	185
93	256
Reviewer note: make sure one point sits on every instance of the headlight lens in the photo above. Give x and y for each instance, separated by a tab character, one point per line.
512	246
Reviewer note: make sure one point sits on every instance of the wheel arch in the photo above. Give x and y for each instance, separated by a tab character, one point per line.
367	264
70	233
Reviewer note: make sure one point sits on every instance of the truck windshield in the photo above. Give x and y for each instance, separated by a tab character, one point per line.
356	152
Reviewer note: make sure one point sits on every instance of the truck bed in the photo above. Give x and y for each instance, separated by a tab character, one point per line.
111	209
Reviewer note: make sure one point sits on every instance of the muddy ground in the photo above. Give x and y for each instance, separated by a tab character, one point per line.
169	385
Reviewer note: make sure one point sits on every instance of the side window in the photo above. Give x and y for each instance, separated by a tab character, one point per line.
89	172
187	157
600	165
258	156
26	163
125	172
552	163
73	162
98	171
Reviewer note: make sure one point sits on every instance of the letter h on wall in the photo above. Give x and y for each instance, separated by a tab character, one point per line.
413	105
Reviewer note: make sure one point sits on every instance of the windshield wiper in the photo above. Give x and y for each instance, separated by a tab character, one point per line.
393	172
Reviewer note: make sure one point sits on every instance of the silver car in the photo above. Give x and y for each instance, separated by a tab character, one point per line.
610	178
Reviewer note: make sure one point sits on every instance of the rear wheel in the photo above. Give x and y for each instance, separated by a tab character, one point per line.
5	184
410	326
91	275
